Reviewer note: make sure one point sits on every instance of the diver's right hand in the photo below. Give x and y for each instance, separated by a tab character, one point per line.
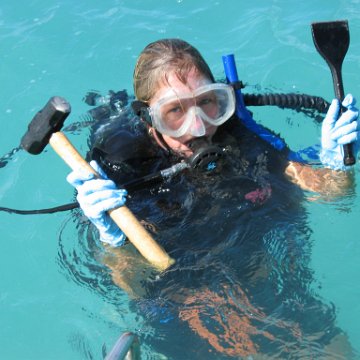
96	197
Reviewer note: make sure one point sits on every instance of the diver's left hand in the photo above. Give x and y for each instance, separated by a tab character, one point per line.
337	132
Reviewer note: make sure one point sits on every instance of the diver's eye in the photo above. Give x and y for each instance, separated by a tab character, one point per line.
205	101
175	110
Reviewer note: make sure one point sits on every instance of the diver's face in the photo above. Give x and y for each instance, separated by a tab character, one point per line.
194	80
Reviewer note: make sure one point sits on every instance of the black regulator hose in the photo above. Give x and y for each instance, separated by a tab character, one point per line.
130	186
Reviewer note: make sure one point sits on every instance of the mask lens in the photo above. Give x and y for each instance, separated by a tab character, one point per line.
214	104
208	103
172	114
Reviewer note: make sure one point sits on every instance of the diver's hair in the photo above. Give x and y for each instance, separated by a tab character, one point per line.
159	58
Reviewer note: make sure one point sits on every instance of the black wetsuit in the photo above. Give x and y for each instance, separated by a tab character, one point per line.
242	282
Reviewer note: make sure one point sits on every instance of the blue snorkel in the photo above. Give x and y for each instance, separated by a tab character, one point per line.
245	116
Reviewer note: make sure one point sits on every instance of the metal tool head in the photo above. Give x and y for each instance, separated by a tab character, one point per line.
46	122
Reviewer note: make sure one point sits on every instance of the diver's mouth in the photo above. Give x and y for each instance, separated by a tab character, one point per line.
192	146
198	142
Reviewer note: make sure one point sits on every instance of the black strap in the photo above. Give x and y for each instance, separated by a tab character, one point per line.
141	109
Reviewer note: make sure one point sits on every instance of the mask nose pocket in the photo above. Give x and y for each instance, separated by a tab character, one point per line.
197	127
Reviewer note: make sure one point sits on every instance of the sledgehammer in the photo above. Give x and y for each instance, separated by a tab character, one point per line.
45	128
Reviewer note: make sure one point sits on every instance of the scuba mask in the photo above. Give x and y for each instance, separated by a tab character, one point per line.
177	114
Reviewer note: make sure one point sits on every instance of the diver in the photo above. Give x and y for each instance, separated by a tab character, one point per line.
179	111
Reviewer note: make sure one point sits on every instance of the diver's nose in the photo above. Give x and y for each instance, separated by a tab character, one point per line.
197	126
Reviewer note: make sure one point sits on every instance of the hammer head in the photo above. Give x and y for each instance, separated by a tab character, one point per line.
46	122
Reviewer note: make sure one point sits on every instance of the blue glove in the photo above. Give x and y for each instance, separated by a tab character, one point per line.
335	133
96	197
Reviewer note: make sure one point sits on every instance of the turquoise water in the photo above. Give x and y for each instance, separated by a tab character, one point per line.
68	48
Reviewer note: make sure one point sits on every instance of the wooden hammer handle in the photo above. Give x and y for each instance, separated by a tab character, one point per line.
122	216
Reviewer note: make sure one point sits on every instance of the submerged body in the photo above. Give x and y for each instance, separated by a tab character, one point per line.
241	284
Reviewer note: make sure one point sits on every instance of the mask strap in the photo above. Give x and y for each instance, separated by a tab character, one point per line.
237	85
141	109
